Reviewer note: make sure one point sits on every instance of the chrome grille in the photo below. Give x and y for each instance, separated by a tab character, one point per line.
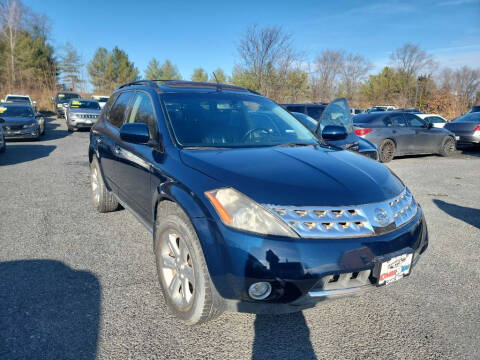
87	116
348	221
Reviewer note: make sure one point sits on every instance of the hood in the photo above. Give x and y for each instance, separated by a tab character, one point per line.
14	120
298	176
85	111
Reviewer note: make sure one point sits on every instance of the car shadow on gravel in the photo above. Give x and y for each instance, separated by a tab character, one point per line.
285	336
48	311
469	215
16	153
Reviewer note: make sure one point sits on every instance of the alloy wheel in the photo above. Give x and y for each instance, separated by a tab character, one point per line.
177	270
95	185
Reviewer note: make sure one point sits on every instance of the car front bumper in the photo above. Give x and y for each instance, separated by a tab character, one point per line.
297	269
81	123
30	133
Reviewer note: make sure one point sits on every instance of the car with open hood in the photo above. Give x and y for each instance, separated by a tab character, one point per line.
82	113
19	121
248	209
335	127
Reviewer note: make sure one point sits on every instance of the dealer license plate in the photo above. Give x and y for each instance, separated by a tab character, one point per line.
457	137
395	268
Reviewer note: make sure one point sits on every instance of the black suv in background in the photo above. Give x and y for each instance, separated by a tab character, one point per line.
314	110
61	101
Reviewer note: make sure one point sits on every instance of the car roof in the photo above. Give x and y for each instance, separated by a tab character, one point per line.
306	104
20	95
15	104
423	116
177	86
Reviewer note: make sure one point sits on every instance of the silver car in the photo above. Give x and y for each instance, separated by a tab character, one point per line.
82	113
402	133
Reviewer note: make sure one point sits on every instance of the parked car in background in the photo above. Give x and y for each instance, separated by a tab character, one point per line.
314	110
249	211
22	99
3	143
475	108
19	121
401	133
82	113
351	142
61	101
434	119
466	128
355	111
381	108
102	99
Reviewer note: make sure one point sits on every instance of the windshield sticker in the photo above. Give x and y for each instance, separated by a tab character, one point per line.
78	103
2	109
61	95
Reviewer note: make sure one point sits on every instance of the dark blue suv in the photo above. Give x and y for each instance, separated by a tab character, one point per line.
249	210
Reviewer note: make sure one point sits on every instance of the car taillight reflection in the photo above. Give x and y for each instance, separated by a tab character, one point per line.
362	131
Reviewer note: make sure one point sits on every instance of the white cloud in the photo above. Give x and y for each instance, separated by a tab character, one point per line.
457	2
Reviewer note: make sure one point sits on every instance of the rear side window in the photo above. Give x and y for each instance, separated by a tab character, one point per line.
142	111
117	112
398	120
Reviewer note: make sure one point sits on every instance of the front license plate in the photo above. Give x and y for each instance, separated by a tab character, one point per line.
395	268
457	137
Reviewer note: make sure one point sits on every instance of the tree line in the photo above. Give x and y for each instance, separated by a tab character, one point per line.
267	62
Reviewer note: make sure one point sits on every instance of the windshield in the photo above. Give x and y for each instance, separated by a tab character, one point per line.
65	97
232	120
16	111
337	113
469	117
85	104
20	99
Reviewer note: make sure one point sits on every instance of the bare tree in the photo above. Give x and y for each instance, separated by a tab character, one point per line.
466	84
354	70
267	54
328	66
11	12
411	60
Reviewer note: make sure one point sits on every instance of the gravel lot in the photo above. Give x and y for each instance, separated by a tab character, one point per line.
75	284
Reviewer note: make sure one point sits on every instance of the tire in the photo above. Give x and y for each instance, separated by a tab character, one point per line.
102	199
69	128
181	267
448	146
387	151
4	147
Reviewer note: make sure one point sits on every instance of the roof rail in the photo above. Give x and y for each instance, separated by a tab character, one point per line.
143	82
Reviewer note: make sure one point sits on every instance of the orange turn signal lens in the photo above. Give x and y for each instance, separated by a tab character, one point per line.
219	208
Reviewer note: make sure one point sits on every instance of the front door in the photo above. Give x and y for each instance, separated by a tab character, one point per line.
135	160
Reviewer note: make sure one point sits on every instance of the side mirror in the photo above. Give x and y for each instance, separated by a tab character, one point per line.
334	132
2	121
429	125
135	133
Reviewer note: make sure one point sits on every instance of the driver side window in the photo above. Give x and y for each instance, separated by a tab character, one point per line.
414	121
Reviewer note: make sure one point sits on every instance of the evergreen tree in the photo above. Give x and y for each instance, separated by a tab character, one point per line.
170	71
153	70
97	69
199	75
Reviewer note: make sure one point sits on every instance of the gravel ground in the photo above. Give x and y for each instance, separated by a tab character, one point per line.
75	284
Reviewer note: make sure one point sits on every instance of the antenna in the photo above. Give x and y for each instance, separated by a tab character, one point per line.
219	86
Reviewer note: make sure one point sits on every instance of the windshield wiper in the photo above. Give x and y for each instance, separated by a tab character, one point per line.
292	144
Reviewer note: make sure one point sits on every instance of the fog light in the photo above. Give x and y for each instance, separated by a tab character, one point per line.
260	290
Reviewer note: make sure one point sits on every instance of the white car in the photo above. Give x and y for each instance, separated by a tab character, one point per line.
17	98
381	108
435	119
102	100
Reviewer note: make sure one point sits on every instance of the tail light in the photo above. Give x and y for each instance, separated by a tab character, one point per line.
363	131
477	128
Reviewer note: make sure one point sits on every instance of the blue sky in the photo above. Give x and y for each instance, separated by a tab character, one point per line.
205	33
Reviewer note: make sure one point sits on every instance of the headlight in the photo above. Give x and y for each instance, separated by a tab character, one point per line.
240	212
26	126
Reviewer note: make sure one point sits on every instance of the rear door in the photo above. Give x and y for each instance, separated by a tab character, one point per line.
134	160
400	132
108	143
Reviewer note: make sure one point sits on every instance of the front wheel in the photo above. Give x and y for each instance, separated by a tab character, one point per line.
182	271
387	151
448	147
